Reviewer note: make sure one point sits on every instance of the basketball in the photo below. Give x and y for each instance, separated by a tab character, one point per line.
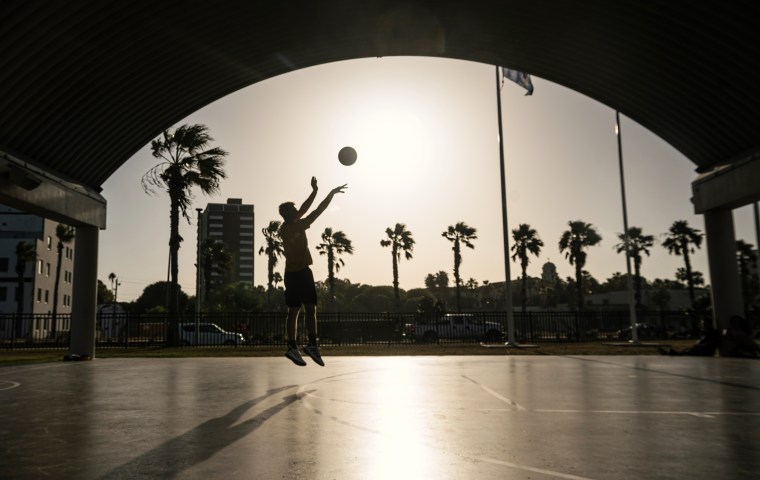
347	156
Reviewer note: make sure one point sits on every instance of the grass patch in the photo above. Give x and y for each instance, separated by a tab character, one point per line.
21	357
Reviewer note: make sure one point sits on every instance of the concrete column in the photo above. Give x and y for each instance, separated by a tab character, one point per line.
84	295
724	271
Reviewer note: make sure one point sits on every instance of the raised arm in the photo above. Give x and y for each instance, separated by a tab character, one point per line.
307	204
323	205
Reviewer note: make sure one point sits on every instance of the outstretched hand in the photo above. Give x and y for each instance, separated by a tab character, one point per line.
339	189
314	183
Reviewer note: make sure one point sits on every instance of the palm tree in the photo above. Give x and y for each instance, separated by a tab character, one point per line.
526	241
215	259
638	243
681	239
334	244
574	241
65	235
274	250
400	240
459	234
25	252
438	283
186	162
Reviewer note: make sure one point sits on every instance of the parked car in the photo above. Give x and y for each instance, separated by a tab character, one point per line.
455	326
643	331
208	334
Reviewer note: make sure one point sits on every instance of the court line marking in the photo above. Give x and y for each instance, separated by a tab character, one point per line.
12	385
651	412
11	371
542	471
497	395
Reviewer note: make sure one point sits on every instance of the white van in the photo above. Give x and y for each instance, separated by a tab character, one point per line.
208	334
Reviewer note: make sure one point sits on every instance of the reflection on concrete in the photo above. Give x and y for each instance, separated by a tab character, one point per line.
491	417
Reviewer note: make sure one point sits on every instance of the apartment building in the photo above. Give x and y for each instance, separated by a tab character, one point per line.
38	277
232	224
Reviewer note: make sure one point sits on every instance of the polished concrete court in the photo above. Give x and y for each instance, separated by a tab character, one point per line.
474	417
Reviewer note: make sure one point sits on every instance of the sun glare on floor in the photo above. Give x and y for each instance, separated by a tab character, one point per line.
400	450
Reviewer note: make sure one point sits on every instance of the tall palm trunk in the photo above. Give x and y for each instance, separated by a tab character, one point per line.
689	279
637	280
173	300
331	277
270	277
457	280
524	265
579	284
395	254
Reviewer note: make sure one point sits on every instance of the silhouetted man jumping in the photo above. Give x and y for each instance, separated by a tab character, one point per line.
299	280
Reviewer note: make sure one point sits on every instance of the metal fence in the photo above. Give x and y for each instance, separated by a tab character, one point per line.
238	329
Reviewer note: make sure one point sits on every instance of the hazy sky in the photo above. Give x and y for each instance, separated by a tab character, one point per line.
426	134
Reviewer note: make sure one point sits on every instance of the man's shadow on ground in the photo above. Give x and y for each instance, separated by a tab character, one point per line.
201	443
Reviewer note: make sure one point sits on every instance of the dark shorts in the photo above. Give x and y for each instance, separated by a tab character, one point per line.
299	288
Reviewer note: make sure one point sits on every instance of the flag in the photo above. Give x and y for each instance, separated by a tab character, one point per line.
520	78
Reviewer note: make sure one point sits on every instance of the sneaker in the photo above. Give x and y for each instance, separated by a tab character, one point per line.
295	356
313	352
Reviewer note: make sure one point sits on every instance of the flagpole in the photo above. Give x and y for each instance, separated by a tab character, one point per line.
631	302
510	315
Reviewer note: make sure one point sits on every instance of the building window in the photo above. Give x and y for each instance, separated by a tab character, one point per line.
246	242
246	250
39	295
39	267
3	264
3	294
47	269
246	234
49	242
47	296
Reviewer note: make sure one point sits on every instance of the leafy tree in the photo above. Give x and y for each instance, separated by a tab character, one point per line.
25	253
638	243
574	242
104	294
64	234
682	240
400	240
186	162
526	241
274	250
459	234
216	260
235	297
153	298
334	244
696	277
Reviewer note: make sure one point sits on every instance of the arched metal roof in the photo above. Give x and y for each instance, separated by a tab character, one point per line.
84	84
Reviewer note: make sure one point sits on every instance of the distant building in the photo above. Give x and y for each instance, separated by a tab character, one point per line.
549	273
39	277
232	224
